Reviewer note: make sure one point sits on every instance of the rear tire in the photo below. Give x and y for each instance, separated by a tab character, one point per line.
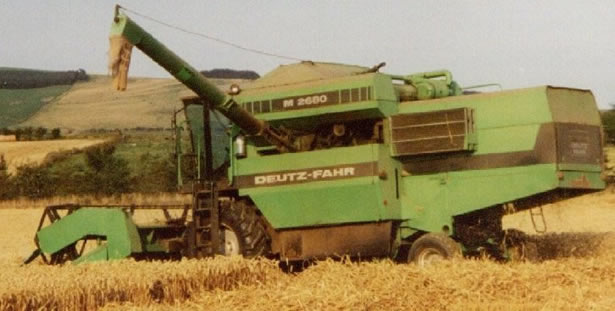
432	248
243	231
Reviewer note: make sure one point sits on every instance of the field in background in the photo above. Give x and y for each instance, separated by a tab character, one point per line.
589	213
147	103
34	152
139	144
609	151
134	147
94	104
573	281
18	105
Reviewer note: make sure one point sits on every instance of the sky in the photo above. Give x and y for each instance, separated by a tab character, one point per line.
517	44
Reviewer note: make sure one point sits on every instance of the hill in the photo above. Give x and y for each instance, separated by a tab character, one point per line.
18	105
18	78
24	91
147	103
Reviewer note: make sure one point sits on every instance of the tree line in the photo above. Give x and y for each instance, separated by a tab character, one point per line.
32	133
608	122
12	78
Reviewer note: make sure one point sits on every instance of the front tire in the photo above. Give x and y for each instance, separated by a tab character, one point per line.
243	231
432	248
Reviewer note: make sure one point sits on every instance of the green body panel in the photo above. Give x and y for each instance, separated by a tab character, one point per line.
585	179
319	203
432	200
507	123
383	100
514	116
316	202
389	182
111	224
516	139
325	202
497	109
572	106
579	167
495	186
425	203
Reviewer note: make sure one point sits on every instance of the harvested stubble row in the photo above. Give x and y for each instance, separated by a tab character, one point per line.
577	272
566	279
90	286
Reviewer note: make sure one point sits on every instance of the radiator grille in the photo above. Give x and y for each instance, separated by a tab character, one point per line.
432	132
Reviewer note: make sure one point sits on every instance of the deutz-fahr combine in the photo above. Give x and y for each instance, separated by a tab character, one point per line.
323	160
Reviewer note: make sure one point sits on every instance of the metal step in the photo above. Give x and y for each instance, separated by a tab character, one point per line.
538	219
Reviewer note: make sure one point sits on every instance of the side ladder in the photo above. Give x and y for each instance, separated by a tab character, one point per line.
204	238
205	231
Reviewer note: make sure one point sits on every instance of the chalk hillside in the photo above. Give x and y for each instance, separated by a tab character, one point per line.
147	103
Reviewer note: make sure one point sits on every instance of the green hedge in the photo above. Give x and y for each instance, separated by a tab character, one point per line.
608	121
101	173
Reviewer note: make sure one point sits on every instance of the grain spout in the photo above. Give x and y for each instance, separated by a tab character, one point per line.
120	51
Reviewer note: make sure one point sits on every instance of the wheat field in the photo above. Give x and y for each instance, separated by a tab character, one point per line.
34	152
577	272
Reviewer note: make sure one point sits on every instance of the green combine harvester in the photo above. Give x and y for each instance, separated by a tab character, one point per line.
326	160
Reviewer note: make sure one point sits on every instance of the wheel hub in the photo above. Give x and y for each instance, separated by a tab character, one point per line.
430	256
231	242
